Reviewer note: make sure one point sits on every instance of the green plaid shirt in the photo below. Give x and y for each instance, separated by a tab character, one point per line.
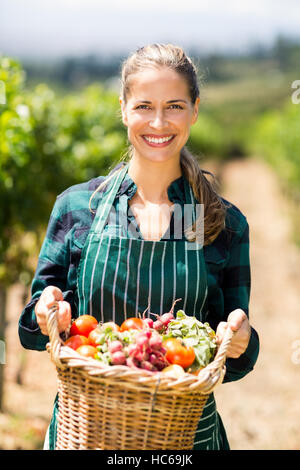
227	262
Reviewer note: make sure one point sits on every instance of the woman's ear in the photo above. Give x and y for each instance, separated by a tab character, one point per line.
196	110
123	111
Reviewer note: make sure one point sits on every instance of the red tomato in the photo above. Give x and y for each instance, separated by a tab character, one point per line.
177	353
132	324
87	350
112	325
83	325
93	337
75	341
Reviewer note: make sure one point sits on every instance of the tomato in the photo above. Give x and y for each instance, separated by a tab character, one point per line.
94	336
83	325
111	324
75	341
178	353
133	323
87	350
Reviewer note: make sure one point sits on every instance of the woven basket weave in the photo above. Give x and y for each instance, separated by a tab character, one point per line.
120	408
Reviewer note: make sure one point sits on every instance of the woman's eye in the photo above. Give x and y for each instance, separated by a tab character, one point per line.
171	106
175	106
142	106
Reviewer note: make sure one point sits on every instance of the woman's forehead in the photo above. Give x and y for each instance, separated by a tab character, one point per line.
161	81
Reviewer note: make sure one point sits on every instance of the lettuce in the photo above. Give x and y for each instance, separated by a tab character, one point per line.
193	333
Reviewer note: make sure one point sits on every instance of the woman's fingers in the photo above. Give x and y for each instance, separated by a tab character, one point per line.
221	331
63	315
239	323
41	317
49	296
236	318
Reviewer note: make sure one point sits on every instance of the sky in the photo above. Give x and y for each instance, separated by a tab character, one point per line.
50	29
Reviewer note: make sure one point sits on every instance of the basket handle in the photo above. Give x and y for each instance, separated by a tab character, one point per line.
219	361
54	337
222	351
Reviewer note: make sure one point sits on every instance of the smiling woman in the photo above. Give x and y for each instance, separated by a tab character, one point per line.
158	113
160	100
85	267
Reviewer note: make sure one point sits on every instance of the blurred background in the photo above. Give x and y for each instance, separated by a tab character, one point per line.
60	125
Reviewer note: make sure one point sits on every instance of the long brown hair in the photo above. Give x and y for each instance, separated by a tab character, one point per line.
174	57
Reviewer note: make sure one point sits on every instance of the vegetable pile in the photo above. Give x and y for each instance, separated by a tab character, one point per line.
172	345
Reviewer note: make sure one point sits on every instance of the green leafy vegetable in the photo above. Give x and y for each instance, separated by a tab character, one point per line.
196	334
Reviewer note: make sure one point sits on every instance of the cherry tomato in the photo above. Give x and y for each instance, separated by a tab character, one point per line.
111	324
133	323
83	325
178	353
75	341
94	336
87	350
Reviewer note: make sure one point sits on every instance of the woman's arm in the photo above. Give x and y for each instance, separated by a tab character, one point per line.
52	270
244	350
59	257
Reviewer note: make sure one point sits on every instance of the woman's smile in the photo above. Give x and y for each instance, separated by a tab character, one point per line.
158	114
158	140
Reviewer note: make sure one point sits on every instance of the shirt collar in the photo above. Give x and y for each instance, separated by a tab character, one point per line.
175	190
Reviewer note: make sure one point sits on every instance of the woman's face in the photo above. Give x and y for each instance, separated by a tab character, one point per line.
158	113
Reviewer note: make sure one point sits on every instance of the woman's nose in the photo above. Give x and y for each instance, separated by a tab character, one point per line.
158	121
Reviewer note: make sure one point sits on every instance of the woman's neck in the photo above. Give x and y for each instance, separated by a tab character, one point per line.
153	178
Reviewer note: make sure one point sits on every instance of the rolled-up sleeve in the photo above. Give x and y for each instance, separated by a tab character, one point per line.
236	290
51	270
237	368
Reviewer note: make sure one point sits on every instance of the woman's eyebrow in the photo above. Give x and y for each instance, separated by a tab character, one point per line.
176	101
170	101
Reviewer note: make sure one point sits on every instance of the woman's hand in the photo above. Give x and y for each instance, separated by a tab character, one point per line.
238	321
49	296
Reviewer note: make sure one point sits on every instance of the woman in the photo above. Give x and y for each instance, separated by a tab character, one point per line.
101	255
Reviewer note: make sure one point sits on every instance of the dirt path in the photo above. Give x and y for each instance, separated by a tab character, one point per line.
28	405
262	411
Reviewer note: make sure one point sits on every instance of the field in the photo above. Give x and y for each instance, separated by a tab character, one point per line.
262	411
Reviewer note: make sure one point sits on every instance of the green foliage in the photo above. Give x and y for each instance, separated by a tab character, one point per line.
50	142
51	139
276	137
47	144
207	137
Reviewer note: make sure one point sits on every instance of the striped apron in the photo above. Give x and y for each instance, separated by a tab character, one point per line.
120	277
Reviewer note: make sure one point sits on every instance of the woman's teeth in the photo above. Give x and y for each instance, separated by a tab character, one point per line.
160	140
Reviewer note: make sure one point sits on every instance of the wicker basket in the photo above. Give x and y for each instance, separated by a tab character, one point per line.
120	408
